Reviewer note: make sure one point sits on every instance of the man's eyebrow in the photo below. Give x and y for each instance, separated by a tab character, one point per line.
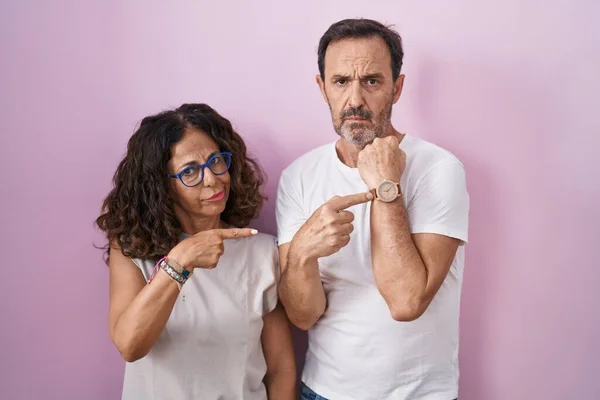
374	75
338	77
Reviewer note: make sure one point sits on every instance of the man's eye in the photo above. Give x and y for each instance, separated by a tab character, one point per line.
372	81
341	81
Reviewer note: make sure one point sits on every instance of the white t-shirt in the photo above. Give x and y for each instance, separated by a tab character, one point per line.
356	350
211	347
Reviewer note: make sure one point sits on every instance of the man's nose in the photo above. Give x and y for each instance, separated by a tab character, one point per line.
356	98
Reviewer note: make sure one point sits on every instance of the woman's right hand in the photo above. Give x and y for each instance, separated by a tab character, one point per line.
204	249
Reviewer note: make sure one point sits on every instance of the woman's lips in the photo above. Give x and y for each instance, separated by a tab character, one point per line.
217	196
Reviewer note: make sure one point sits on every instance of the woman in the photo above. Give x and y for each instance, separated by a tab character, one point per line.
193	296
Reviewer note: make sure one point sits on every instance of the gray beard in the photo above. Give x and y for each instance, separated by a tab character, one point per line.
360	135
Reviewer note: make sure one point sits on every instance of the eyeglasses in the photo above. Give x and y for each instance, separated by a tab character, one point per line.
193	175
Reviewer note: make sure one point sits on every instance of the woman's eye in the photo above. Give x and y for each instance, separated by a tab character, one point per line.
190	171
215	160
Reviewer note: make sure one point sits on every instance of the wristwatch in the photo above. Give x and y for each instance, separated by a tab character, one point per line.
387	191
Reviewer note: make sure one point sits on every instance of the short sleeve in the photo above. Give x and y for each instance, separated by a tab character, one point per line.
289	212
441	202
268	258
145	266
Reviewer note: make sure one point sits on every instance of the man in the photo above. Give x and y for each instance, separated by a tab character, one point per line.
371	230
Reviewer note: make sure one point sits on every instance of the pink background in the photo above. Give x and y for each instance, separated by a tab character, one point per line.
511	88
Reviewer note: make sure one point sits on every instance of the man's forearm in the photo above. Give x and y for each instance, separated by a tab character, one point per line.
301	290
400	274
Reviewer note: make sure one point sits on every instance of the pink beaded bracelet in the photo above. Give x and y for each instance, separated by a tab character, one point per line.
156	268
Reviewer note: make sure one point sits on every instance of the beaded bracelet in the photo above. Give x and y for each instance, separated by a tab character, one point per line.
177	267
176	276
180	279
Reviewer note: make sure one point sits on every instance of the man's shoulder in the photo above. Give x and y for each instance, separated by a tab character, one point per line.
309	160
424	154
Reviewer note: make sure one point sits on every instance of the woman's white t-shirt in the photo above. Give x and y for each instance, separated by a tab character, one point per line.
211	346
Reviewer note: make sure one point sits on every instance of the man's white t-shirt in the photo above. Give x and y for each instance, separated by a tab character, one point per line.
356	350
211	346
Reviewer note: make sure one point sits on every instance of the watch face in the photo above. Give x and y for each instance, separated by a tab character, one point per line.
387	191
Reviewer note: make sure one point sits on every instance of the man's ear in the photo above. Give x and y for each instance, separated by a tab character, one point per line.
321	84
398	86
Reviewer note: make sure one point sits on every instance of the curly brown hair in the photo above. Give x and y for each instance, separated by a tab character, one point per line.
138	212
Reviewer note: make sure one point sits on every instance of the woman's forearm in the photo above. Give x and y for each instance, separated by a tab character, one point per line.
140	325
281	385
280	379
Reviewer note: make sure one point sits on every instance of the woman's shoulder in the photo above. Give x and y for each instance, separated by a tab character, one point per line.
258	251
257	247
264	241
257	259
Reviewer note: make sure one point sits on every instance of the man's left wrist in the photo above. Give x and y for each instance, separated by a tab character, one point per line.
377	181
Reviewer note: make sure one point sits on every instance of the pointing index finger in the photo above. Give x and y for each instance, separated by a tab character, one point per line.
343	202
234	233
